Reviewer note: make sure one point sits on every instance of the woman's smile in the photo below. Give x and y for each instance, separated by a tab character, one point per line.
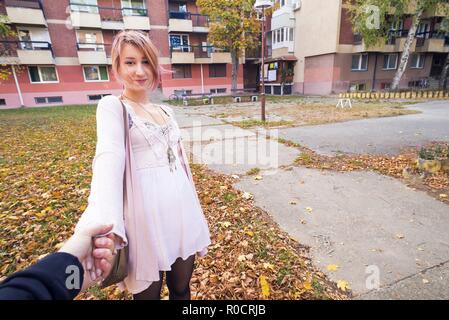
141	82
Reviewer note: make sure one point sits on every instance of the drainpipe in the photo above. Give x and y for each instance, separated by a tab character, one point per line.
374	73
17	86
202	79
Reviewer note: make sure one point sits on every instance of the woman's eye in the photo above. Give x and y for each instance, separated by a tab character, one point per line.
146	62
129	62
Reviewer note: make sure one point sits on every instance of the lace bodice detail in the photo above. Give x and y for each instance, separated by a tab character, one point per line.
156	135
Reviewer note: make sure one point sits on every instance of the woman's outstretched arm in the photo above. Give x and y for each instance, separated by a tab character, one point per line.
105	202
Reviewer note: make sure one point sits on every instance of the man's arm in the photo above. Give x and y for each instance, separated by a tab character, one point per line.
58	276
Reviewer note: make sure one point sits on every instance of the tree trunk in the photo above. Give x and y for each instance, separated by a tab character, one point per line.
444	74
235	69
406	53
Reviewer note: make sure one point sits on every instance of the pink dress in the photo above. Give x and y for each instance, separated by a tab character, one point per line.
163	220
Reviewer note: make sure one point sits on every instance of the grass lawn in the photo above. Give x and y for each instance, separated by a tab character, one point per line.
299	111
46	156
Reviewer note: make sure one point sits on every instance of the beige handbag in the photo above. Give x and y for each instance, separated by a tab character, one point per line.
119	270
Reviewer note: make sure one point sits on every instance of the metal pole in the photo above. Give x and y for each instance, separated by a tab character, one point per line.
17	86
202	79
262	94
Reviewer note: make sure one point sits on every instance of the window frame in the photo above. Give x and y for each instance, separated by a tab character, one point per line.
421	58
40	74
214	65
184	65
99	74
388	62
360	55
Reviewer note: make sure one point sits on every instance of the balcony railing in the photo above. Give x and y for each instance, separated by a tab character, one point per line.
199	51
198	20
10	47
31	4
116	12
101	47
422	36
358	38
253	53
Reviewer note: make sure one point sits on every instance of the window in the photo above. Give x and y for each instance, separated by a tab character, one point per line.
40	100
89	6
2	102
357	87
359	62
385	85
417	61
182	71
180	93
95	97
217	70
95	73
218	90
282	34
42	74
133	8
390	61
179	42
90	40
291	34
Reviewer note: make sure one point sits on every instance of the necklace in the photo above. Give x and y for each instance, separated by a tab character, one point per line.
170	154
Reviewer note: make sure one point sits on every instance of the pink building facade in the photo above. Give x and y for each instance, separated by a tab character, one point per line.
61	54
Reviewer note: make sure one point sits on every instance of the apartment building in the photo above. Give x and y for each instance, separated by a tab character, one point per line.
327	57
62	52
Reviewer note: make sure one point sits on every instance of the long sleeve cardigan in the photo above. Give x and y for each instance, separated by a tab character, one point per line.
105	202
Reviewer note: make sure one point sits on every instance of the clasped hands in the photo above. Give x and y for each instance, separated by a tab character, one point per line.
95	251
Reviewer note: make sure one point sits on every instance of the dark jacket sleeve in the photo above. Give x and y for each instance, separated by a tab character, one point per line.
58	276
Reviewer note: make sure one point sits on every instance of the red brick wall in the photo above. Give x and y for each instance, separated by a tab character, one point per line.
56	9
346	34
63	40
160	39
158	11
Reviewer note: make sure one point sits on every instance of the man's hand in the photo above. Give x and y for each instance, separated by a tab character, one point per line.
92	254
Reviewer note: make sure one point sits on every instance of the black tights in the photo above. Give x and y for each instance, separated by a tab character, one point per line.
178	282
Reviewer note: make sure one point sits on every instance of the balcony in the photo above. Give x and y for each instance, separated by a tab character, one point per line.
395	43
85	15
199	54
26	52
108	18
188	22
93	53
432	42
25	12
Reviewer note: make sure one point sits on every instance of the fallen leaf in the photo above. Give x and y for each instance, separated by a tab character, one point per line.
425	281
332	267
343	285
400	236
264	286
258	178
309	209
307	285
247	195
293	202
443	195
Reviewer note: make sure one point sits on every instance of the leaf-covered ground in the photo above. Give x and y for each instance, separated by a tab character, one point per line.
46	156
402	166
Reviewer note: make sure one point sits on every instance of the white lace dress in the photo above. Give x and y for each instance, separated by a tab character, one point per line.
168	221
170	201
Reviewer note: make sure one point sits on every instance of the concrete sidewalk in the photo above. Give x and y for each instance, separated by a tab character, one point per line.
377	230
378	135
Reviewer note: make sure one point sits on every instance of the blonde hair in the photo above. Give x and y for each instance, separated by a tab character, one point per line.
141	41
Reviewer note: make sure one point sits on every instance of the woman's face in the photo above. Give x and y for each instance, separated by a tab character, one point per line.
134	69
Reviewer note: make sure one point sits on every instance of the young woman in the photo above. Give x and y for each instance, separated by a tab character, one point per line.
163	221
